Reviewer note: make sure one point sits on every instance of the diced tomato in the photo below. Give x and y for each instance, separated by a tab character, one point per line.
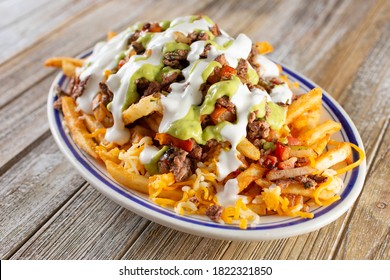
166	139
292	141
155	27
227	72
282	152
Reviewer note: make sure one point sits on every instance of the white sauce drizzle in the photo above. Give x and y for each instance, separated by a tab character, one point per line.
148	154
244	101
228	196
281	93
268	69
103	58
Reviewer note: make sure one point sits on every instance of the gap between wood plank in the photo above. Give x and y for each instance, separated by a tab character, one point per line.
334	251
47	221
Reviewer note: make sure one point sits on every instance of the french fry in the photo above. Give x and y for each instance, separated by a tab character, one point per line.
263	183
304	103
93	125
264	48
246	148
137	182
314	135
77	127
302	153
110	35
58	61
298	189
253	172
313	117
144	107
320	146
259	209
334	156
287	173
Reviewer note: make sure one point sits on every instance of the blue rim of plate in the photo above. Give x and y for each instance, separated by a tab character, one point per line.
92	167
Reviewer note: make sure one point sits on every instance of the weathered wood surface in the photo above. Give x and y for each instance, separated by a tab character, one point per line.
49	212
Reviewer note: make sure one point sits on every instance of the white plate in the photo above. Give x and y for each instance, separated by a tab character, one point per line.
271	227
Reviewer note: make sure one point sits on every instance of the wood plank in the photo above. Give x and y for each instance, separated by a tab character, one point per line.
165	243
32	27
10	11
31	192
91	227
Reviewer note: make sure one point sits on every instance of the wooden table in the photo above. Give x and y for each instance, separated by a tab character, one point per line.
48	211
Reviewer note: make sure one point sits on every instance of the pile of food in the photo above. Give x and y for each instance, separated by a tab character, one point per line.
203	123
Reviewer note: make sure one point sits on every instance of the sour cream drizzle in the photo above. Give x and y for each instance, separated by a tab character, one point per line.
103	58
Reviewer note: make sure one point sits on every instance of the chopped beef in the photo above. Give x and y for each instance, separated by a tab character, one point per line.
209	148
225	102
176	59
78	87
153	87
283	183
215	30
318	178
287	164
196	152
265	84
194	200
258	129
268	161
306	181
198	36
107	95
302	161
133	37
141	84
251	57
168	79
60	93
205	51
242	69
146	26
138	47
175	160
221	59
214	212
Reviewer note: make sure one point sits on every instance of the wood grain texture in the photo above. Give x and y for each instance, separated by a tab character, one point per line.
50	212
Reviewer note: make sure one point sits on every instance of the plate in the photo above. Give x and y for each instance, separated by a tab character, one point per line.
270	227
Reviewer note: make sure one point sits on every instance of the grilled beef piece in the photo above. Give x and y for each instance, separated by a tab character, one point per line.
60	93
242	69
257	129
175	160
221	59
138	47
198	36
77	87
215	30
214	212
176	59
205	51
306	181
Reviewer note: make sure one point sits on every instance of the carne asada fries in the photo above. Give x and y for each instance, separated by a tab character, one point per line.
203	123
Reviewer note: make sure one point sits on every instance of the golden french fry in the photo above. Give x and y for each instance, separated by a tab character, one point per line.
263	183
314	135
58	61
313	117
288	173
333	156
264	47
77	127
303	104
320	146
298	189
144	107
93	125
110	35
302	153
259	209
246	148
138	132
69	69
137	182
253	172
109	155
